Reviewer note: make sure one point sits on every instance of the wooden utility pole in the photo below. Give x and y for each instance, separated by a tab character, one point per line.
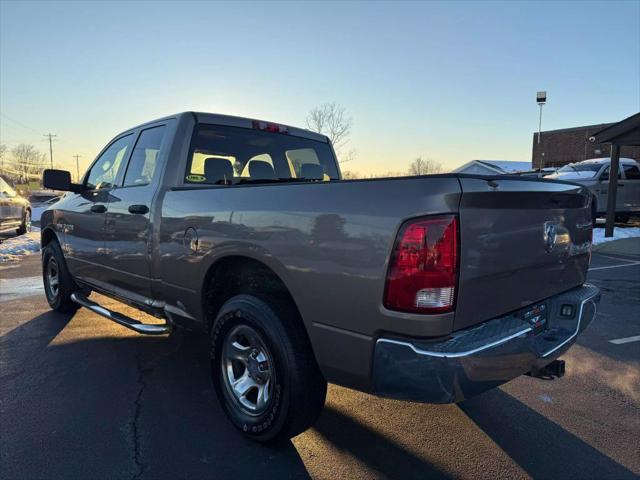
77	167
612	190
51	137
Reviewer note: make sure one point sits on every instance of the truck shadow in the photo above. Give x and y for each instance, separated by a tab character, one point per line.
540	446
378	452
119	406
146	404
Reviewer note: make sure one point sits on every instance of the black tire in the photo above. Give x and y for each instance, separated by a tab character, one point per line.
298	389
59	296
26	222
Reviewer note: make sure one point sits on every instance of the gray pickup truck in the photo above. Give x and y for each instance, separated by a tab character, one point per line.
431	289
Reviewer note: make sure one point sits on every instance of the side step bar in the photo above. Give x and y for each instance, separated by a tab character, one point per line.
135	325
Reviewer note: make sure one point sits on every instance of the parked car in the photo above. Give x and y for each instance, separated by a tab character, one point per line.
538	173
40	197
431	288
594	174
15	211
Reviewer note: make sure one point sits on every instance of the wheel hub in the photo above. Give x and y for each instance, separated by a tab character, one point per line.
53	277
246	369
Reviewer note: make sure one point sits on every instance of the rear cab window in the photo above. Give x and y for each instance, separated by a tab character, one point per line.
222	155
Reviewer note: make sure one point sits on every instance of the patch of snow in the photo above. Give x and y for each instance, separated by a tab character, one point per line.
618	233
14	288
571	175
14	248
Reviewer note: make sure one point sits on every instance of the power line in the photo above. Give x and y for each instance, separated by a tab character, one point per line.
50	146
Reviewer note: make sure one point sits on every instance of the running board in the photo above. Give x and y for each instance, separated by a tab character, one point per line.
135	325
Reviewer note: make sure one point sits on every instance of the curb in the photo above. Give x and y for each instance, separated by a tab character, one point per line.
622	246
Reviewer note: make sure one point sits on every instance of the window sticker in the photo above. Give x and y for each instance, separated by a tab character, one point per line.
195	178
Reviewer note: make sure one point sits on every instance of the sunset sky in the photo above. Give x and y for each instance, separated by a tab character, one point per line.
447	81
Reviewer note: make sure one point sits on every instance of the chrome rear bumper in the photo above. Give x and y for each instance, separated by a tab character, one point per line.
477	359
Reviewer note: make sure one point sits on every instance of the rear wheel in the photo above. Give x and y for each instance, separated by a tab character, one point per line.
58	283
263	369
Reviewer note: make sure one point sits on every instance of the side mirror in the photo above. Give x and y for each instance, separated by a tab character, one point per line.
59	180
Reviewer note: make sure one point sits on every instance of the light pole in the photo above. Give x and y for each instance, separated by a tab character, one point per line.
541	98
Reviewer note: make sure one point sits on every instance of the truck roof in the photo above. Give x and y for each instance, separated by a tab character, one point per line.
242	122
604	160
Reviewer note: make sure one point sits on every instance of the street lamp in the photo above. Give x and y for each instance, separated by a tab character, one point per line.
541	98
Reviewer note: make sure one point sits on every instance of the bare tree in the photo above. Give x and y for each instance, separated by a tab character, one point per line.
350	175
26	162
3	154
332	120
424	167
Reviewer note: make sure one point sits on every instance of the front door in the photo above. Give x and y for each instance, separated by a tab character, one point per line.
603	191
128	224
630	195
82	216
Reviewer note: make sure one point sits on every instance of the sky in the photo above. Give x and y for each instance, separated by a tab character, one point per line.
450	81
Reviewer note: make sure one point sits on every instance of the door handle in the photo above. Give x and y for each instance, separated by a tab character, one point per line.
98	208
139	209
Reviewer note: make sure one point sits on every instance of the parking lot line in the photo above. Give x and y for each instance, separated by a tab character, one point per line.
621	341
615	266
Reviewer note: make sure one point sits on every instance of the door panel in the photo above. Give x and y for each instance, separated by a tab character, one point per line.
630	196
83	228
83	216
604	191
10	207
128	225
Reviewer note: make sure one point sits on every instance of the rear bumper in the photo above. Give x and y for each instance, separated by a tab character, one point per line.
477	359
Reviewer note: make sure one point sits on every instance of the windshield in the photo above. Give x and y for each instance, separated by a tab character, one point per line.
6	189
581	167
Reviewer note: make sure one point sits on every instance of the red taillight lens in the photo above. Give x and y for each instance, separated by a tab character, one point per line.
424	266
269	127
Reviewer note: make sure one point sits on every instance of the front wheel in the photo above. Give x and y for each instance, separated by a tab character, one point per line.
58	283
26	223
263	369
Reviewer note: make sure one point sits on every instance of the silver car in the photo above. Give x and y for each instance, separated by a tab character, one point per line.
594	174
15	211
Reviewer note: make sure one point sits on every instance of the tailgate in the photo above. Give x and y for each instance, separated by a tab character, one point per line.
520	241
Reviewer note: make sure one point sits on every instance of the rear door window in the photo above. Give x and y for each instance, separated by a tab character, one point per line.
144	157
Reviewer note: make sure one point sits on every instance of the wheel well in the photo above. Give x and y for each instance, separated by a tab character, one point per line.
47	237
236	275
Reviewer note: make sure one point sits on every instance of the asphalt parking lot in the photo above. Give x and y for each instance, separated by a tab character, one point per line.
84	398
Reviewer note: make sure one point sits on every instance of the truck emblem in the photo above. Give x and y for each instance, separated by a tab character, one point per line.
549	236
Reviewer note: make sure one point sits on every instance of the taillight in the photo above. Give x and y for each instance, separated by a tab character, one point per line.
423	269
269	127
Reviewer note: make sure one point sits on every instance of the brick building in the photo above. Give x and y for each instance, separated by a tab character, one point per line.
570	145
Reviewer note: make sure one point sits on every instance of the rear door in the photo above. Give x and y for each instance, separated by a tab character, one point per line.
521	241
128	225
